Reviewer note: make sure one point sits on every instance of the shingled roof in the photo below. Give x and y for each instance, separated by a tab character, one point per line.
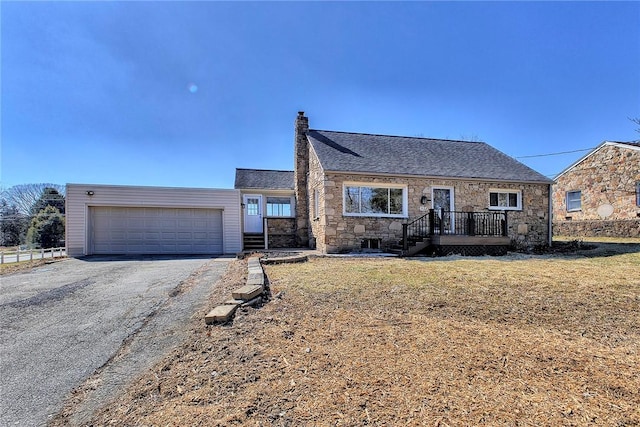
399	155
263	179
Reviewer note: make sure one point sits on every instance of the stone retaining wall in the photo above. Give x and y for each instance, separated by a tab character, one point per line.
598	228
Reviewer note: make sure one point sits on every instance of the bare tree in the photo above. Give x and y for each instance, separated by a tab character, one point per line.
637	122
25	196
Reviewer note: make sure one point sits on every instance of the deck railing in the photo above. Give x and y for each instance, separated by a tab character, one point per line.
439	222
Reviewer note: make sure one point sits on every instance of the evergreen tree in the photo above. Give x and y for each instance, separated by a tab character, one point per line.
13	225
49	197
46	229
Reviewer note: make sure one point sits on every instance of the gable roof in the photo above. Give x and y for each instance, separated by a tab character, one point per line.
400	155
619	144
263	179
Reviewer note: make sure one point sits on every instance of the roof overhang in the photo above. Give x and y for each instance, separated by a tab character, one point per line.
456	178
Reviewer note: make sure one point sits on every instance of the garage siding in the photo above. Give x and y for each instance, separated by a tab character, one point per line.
170	200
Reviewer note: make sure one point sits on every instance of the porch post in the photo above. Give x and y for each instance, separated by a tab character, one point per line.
405	244
266	234
432	222
505	228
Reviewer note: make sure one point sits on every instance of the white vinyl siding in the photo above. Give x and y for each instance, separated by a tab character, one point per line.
79	204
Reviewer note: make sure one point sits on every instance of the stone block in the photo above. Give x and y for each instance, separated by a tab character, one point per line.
255	270
330	231
256	280
247	292
253	262
221	313
395	225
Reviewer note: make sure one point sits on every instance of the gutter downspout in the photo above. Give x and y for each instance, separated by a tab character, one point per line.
550	239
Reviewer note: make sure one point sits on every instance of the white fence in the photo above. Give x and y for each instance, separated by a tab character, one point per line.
31	254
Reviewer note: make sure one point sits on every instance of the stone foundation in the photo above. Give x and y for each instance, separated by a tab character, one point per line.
281	232
598	228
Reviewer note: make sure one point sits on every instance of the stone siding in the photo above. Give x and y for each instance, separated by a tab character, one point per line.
281	232
333	232
598	228
608	176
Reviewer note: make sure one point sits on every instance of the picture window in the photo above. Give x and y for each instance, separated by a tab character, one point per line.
363	200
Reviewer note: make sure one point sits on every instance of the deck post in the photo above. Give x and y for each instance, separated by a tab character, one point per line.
505	227
471	222
432	222
405	243
266	233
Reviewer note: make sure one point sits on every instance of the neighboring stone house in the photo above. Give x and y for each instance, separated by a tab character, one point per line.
599	195
355	191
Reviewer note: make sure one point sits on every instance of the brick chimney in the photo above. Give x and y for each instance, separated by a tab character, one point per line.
301	172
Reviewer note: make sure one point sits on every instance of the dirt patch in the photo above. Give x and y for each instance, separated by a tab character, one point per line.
537	340
24	266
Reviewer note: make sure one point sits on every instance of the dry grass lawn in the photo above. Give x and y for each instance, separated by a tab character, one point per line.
519	340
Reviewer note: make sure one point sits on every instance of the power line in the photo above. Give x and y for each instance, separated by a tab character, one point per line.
555	154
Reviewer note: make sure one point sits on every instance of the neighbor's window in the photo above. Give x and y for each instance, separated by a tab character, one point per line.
505	199
574	200
374	201
278	206
638	193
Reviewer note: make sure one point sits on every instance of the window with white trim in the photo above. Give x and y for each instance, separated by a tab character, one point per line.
574	200
278	206
370	200
638	193
505	200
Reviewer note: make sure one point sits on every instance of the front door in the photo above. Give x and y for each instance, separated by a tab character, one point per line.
442	201
252	213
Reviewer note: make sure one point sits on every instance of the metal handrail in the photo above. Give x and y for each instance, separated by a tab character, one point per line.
493	223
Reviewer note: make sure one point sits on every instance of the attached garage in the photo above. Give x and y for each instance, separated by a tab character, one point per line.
133	230
111	220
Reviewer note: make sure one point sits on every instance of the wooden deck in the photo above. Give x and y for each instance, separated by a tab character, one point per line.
458	240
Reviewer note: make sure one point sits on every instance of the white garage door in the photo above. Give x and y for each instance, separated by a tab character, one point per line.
119	230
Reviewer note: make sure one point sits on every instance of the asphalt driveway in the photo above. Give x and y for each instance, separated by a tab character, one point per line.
61	322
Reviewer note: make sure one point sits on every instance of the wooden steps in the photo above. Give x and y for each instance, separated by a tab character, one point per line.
252	241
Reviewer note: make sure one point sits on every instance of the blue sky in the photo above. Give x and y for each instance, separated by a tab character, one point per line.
182	93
